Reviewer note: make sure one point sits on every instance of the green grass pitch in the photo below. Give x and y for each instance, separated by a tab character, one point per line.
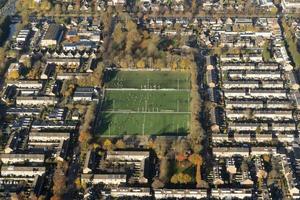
130	108
147	80
144	124
147	101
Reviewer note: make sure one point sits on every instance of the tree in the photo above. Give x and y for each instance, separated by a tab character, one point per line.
152	43
11	54
77	5
94	79
13	75
78	183
196	134
133	38
174	65
118	34
157	184
141	64
194	6
24	15
181	178
185	63
89	117
27	62
159	63
120	144
196	159
266	51
266	158
59	182
164	170
84	136
107	145
181	146
45	6
2	54
67	88
57	9
130	25
161	146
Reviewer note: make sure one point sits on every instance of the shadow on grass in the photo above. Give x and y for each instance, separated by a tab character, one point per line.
107	104
109	75
105	120
166	132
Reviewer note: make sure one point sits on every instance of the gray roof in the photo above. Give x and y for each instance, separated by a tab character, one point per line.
53	32
23	156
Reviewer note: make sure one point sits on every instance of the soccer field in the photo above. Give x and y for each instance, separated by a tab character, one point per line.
144	124
147	80
147	101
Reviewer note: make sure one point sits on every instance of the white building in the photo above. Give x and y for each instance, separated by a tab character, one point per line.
240	84
230	151
286	137
247	126
238	104
48	136
130	191
36	100
259	151
108	179
33	84
180	193
231	193
238	66
265	137
242	137
22	171
283	127
21	158
274	114
290	5
127	155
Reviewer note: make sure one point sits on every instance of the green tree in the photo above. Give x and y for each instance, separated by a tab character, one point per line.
266	51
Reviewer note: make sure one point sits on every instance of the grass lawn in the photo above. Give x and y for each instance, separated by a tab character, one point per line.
147	101
148	124
146	80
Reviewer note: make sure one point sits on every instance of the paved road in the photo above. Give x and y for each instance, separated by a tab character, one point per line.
74	168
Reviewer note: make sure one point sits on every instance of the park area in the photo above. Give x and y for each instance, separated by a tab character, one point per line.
146	103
